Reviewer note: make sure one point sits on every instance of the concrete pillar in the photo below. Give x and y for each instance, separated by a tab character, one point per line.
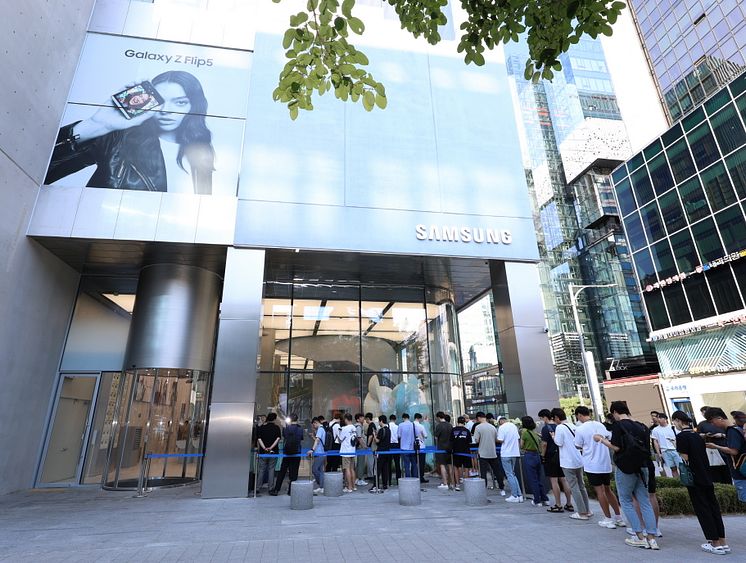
228	453
475	491
409	491
174	319
527	361
301	495
333	484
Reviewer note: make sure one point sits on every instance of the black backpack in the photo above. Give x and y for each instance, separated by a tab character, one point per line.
293	437
328	438
634	453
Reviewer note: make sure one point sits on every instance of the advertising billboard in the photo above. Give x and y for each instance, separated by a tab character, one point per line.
153	116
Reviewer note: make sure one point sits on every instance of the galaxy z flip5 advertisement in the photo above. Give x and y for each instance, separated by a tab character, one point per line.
155	116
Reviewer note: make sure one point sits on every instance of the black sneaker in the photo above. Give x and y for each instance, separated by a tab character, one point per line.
273	493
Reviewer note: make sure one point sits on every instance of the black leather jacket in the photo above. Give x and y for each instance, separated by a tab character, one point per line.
129	159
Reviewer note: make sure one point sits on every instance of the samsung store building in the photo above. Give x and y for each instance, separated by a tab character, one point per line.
233	262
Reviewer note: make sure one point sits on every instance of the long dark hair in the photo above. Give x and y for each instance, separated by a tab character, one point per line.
193	136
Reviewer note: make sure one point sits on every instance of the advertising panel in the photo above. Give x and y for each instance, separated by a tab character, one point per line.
153	116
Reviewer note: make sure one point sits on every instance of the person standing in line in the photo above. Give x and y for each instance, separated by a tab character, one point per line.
442	433
421	436
735	448
691	447
370	443
348	441
383	445
333	461
630	444
571	463
664	442
461	444
597	465
316	453
552	469
394	428
509	440
530	444
293	436
406	443
268	439
469	425
739	419
485	435
712	434
360	465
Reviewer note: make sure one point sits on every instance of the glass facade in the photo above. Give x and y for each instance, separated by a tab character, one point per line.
329	348
688	238
694	47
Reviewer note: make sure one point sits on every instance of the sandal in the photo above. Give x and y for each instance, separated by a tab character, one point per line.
555	508
569	508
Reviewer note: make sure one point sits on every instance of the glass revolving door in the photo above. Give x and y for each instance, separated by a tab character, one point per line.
160	413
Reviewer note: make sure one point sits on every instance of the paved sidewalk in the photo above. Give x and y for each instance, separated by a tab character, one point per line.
177	525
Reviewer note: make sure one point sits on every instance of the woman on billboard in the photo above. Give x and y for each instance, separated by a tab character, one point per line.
153	137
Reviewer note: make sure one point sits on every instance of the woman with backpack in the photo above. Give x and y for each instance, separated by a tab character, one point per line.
630	445
699	484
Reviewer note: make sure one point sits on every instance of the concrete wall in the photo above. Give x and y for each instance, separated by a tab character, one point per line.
42	40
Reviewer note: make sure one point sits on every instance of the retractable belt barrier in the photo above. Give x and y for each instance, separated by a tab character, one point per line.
367	451
155	456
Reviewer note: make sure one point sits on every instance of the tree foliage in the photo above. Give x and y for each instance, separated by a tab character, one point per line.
322	59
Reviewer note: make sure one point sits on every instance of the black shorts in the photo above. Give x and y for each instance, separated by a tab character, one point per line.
552	467
599	479
462	459
443	459
651	477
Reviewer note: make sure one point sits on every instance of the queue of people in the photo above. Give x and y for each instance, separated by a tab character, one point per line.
498	451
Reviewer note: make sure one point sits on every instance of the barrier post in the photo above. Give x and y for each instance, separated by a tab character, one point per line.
256	471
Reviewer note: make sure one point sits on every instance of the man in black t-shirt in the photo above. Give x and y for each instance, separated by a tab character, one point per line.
460	444
735	448
293	436
552	469
382	440
442	435
267	441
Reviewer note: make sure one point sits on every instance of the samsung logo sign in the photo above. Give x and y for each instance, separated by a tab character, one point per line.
451	233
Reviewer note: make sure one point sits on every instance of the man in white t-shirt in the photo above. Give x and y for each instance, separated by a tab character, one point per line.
597	465
347	449
510	453
664	442
571	463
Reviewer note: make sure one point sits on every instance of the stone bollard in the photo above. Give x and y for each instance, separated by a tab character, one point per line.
301	495
475	491
409	491
333	484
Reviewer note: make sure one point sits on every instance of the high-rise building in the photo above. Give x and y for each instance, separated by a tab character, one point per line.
681	199
572	136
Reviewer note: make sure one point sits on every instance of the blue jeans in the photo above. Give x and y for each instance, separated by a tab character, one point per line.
740	489
318	470
409	465
628	486
509	464
534	471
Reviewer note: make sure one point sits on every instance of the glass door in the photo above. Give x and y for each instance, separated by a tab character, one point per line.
71	420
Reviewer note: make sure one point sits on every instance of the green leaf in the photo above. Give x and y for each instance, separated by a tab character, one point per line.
293	112
356	25
381	101
287	39
369	100
347	6
339	23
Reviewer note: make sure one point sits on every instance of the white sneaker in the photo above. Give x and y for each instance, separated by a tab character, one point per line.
654	545
442	486
318	491
514	499
631	532
346	490
620	523
709	548
457	488
607	523
637	542
658	533
361	482
492	488
502	492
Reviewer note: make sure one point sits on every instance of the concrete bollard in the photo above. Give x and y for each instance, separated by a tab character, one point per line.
409	491
475	491
301	495
333	484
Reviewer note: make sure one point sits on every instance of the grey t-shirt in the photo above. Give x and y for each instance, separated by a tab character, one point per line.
486	435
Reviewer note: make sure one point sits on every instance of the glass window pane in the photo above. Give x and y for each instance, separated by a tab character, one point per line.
718	188
656	310
624	194
723	289
676	303
703	146
737	167
732	228
681	161
663	260
671	212
276	315
684	251
635	162
693	198
741	104
707	240
699	297
652	149
635	234
691	120
671	135
441	329
728	129
642	186
717	101
739	270
619	174
645	268
651	221
738	85
660	174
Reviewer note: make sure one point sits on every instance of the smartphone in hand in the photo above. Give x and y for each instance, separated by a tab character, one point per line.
137	99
